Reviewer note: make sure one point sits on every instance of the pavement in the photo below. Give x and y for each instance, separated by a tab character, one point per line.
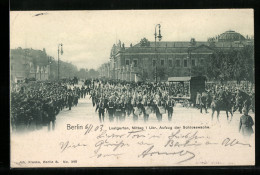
85	112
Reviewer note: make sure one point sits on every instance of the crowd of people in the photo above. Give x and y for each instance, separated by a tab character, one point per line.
36	104
121	99
141	99
235	95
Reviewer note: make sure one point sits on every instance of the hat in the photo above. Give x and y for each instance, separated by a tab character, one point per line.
245	110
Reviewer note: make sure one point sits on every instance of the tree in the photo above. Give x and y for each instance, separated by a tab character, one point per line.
232	65
161	73
93	73
144	42
82	73
198	70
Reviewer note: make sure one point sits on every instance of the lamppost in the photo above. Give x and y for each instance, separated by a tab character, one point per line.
159	36
26	64
189	58
49	70
59	52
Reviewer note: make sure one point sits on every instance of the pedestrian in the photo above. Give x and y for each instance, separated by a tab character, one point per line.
246	124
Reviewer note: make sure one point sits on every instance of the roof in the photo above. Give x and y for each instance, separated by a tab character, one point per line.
180	79
175	44
180	47
231	36
176	79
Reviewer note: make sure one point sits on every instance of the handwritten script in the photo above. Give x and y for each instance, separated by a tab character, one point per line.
143	144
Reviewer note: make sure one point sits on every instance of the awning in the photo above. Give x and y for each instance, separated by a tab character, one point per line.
179	79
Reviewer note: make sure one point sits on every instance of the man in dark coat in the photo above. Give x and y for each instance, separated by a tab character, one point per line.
118	109
101	110
111	106
204	102
169	105
70	100
51	115
245	124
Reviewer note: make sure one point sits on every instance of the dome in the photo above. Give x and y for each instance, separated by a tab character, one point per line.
231	36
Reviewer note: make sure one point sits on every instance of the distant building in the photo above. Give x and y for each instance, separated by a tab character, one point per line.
30	64
104	70
147	61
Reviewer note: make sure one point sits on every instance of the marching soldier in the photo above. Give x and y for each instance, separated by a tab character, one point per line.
118	109
135	110
129	106
82	92
161	109
111	110
93	96
123	111
146	109
76	99
170	104
51	115
101	110
70	100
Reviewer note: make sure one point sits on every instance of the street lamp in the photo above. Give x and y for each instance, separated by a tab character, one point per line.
159	36
49	63
59	52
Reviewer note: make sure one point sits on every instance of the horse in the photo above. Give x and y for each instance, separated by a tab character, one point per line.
243	100
222	104
205	101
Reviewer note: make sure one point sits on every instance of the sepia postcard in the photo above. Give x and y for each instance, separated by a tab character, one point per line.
132	88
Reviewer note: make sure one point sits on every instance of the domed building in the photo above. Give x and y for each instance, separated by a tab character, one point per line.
230	36
170	58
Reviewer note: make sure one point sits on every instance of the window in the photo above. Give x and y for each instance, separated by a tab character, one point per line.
127	62
193	62
154	63
178	63
185	63
162	62
170	63
135	63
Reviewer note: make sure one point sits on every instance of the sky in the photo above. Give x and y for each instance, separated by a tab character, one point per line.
88	36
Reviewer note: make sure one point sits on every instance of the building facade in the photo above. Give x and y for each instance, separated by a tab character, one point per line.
30	64
147	61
